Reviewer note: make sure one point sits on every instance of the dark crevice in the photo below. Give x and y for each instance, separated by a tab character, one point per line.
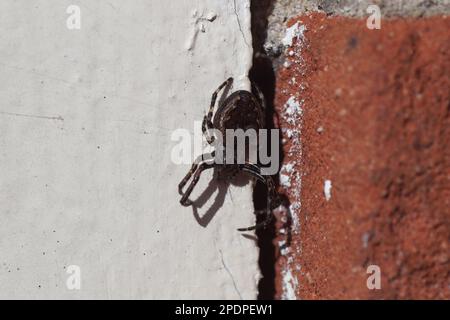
262	73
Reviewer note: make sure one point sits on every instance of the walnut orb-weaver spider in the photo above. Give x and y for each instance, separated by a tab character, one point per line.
240	110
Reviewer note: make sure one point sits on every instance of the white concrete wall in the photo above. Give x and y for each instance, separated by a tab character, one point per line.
86	176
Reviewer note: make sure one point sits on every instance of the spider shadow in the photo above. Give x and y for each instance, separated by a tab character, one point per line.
220	186
215	184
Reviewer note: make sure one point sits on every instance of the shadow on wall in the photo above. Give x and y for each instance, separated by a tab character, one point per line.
263	74
221	186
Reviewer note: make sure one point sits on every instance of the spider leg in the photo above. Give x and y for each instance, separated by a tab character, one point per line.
195	172
260	95
197	161
259	225
254	170
267	180
207	120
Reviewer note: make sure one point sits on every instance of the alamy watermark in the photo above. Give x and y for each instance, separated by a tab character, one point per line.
73	22
374	20
73	282
374	280
237	147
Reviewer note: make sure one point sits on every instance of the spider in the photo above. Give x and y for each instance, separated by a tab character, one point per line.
240	110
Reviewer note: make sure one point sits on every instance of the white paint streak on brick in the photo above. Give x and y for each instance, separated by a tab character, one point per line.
327	189
295	31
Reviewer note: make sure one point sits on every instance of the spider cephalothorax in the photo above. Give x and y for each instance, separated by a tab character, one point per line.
240	110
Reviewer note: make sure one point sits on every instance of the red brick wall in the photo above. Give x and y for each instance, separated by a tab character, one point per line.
375	121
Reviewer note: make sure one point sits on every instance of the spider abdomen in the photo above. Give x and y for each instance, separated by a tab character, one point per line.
240	110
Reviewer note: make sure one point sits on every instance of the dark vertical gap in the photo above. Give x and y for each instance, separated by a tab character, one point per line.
262	73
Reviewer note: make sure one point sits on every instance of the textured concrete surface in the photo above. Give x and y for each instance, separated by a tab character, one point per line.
365	116
86	177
